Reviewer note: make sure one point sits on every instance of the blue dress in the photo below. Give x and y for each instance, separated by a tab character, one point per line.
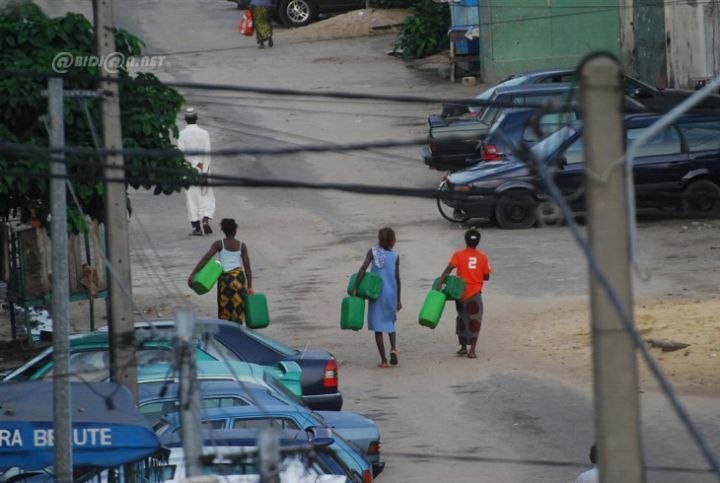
382	312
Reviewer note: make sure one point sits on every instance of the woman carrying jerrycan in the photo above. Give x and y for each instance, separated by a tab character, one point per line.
473	266
382	311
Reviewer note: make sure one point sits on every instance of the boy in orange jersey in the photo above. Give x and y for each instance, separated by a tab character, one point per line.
473	266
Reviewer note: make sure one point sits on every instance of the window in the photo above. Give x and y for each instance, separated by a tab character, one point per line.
574	153
214	424
701	136
279	423
559	79
665	142
222	402
89	366
549	124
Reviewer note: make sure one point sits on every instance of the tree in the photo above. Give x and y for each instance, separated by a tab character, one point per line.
29	41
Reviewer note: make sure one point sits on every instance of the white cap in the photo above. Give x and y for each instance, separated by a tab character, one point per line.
190	111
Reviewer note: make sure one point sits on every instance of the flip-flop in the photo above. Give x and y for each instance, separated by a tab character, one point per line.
472	356
461	352
384	365
393	358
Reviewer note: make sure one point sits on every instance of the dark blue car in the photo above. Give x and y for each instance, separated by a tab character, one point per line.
678	168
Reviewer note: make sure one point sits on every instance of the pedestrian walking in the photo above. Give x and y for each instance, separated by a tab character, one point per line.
262	12
382	312
591	475
235	283
200	199
473	266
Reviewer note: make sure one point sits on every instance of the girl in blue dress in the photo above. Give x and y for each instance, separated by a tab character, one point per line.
382	312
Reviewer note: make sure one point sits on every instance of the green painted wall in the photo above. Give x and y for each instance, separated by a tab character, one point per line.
517	35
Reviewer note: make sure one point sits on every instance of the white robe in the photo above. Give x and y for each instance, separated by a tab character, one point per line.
200	199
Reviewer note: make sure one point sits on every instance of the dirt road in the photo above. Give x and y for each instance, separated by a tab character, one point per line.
529	394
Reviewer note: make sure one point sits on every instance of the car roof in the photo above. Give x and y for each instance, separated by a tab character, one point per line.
241	437
535	89
540	72
228	370
242	411
207	388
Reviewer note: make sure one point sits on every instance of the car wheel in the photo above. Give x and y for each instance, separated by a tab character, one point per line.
516	210
702	197
297	13
448	212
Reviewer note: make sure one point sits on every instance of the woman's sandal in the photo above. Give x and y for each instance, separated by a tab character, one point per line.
472	355
461	352
393	358
384	365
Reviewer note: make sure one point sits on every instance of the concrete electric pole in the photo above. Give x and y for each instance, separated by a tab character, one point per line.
120	315
62	417
191	428
617	410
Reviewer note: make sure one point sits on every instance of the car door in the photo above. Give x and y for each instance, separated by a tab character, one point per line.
702	140
659	165
570	175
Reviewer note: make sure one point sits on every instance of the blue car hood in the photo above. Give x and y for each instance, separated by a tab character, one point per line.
486	170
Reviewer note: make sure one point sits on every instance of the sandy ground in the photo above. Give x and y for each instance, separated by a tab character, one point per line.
358	23
529	395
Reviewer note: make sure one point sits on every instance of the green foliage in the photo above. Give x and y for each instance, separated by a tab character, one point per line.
29	41
425	32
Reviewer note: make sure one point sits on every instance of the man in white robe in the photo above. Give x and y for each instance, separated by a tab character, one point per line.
200	199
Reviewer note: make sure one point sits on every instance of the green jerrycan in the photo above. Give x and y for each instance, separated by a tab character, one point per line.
352	313
205	279
432	309
257	315
454	287
370	285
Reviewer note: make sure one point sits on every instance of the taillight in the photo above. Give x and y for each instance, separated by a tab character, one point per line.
330	379
374	447
433	147
367	476
490	153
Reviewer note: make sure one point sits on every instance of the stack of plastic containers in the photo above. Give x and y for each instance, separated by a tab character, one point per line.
352	313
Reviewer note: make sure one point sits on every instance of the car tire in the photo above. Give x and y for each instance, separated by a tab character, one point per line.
448	212
701	197
516	210
297	13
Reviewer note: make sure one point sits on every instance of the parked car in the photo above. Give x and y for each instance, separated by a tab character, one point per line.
298	13
453	140
544	76
452	143
678	169
231	455
217	340
356	429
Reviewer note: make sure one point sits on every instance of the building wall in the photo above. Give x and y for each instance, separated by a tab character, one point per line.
519	35
693	42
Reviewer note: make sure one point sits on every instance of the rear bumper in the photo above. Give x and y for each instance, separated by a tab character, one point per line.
324	402
447	162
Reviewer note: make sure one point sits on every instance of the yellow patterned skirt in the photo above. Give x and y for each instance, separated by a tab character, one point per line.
231	294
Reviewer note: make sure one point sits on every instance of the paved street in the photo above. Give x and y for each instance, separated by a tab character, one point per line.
436	411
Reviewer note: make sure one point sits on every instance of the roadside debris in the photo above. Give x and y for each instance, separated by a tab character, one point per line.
666	345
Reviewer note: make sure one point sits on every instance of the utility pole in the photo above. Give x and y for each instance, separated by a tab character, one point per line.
190	429
123	362
269	446
617	408
62	417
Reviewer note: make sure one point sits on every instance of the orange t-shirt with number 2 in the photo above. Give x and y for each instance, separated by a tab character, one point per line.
473	266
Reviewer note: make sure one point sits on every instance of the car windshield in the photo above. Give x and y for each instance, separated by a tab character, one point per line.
547	147
270	342
513	81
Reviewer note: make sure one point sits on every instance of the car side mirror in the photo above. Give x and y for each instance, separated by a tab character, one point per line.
561	162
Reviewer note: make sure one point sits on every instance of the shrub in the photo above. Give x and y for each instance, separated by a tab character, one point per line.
425	31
